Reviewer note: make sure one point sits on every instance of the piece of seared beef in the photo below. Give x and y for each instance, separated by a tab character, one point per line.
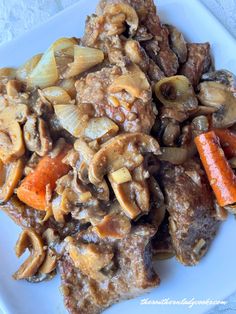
198	62
189	201
129	273
131	114
27	217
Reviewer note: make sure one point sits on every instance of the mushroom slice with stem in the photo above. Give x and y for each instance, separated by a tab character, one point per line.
222	76
133	196
10	176
11	141
177	43
133	82
31	240
118	15
36	135
89	258
113	225
219	96
18	113
176	91
123	150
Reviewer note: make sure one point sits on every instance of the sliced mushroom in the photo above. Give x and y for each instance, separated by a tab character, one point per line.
171	133
113	226
7	74
222	76
13	87
133	82
133	196
31	240
177	43
219	96
11	140
119	14
10	175
89	258
176	91
121	151
36	135
18	113
50	262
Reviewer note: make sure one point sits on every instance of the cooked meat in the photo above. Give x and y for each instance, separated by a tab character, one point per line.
189	200
82	170
27	217
131	273
131	114
198	62
158	50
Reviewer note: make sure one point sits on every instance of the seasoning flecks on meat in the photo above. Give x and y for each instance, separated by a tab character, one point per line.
198	62
130	273
189	200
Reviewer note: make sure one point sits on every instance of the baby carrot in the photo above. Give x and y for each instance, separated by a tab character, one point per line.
220	175
32	190
227	141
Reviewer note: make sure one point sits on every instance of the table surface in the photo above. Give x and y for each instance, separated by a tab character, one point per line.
19	16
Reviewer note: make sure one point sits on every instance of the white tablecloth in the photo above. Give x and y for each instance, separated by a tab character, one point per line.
18	16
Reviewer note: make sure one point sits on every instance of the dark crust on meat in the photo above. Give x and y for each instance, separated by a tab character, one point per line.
134	274
27	217
198	62
191	210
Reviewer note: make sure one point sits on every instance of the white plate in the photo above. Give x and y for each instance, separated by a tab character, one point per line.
215	277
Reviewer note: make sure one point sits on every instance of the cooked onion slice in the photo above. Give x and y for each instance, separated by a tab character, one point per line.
100	127
45	73
24	71
71	118
56	95
84	59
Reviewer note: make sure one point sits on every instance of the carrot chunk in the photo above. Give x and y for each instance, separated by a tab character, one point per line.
227	141
220	175
32	190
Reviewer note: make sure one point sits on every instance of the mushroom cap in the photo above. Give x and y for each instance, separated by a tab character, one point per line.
123	150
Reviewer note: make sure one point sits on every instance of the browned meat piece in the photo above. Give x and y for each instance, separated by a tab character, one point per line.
198	62
190	205
149	26
130	273
177	43
159	50
27	217
131	114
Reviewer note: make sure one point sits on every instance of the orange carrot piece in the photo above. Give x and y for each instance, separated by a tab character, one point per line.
220	175
32	190
227	141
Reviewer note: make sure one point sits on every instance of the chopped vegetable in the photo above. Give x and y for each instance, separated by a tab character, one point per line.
121	175
32	190
227	141
219	172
